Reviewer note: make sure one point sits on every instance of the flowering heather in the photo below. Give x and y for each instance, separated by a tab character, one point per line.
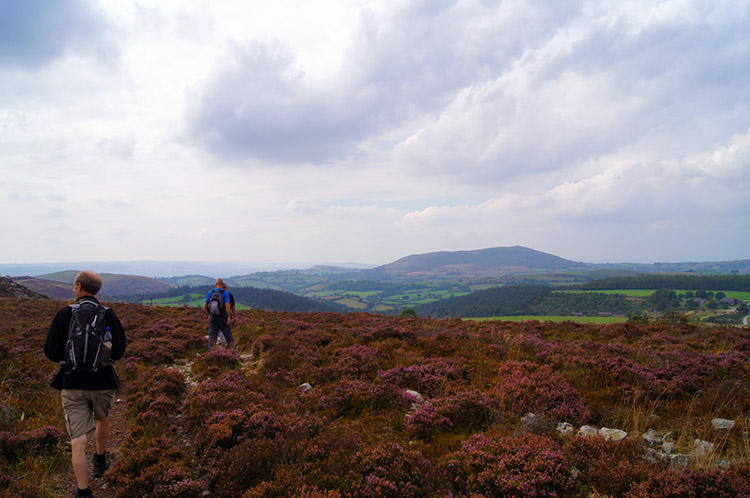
36	442
468	411
609	467
431	377
230	391
155	468
391	471
354	397
509	466
215	362
246	429
529	387
357	361
162	342
694	484
155	382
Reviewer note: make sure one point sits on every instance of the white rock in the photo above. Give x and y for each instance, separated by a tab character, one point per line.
723	464
305	388
612	434
415	396
652	437
668	447
679	460
587	430
565	428
722	424
701	448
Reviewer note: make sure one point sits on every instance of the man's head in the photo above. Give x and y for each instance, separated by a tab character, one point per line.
221	284
87	283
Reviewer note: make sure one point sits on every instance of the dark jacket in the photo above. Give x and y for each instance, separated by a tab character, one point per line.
105	377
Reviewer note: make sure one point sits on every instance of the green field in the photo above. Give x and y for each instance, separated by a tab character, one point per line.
578	319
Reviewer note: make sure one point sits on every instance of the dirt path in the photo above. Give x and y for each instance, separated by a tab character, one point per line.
62	483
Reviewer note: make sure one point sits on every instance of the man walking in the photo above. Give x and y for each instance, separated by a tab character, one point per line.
218	306
87	381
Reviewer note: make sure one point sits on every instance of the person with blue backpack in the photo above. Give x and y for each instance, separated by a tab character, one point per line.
85	338
217	307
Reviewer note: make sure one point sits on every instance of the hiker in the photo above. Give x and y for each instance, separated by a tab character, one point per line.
87	383
218	307
232	314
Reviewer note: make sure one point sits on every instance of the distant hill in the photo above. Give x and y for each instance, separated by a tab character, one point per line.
115	285
47	288
252	297
481	263
189	280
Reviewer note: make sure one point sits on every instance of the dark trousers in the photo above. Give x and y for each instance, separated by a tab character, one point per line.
216	324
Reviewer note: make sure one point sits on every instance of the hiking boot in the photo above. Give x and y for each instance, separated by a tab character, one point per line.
79	495
101	464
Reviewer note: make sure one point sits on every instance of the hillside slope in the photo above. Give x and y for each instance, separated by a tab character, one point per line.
115	285
362	406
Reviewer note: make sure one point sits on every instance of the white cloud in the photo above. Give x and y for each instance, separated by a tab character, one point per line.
369	130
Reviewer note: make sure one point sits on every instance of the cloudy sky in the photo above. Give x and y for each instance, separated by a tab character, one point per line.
367	130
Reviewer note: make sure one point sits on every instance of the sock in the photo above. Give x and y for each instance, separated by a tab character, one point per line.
85	492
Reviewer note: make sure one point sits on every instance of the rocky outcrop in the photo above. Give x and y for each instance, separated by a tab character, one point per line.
658	446
9	288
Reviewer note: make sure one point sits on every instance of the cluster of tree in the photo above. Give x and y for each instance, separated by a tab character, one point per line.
667	300
499	301
514	300
695	282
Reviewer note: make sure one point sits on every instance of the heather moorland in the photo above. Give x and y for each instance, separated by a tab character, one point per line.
359	405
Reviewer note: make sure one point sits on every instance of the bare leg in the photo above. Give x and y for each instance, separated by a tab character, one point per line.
80	464
102	435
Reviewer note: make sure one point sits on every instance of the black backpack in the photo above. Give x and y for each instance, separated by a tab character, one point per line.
89	339
216	303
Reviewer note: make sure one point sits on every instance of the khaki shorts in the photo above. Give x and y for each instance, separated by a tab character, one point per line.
82	408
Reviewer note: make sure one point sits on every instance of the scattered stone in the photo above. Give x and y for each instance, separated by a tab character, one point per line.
655	456
587	430
305	388
612	434
668	448
565	428
679	460
415	396
416	399
722	424
652	437
575	473
723	465
701	449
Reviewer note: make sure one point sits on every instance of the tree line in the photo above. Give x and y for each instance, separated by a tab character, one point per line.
671	281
